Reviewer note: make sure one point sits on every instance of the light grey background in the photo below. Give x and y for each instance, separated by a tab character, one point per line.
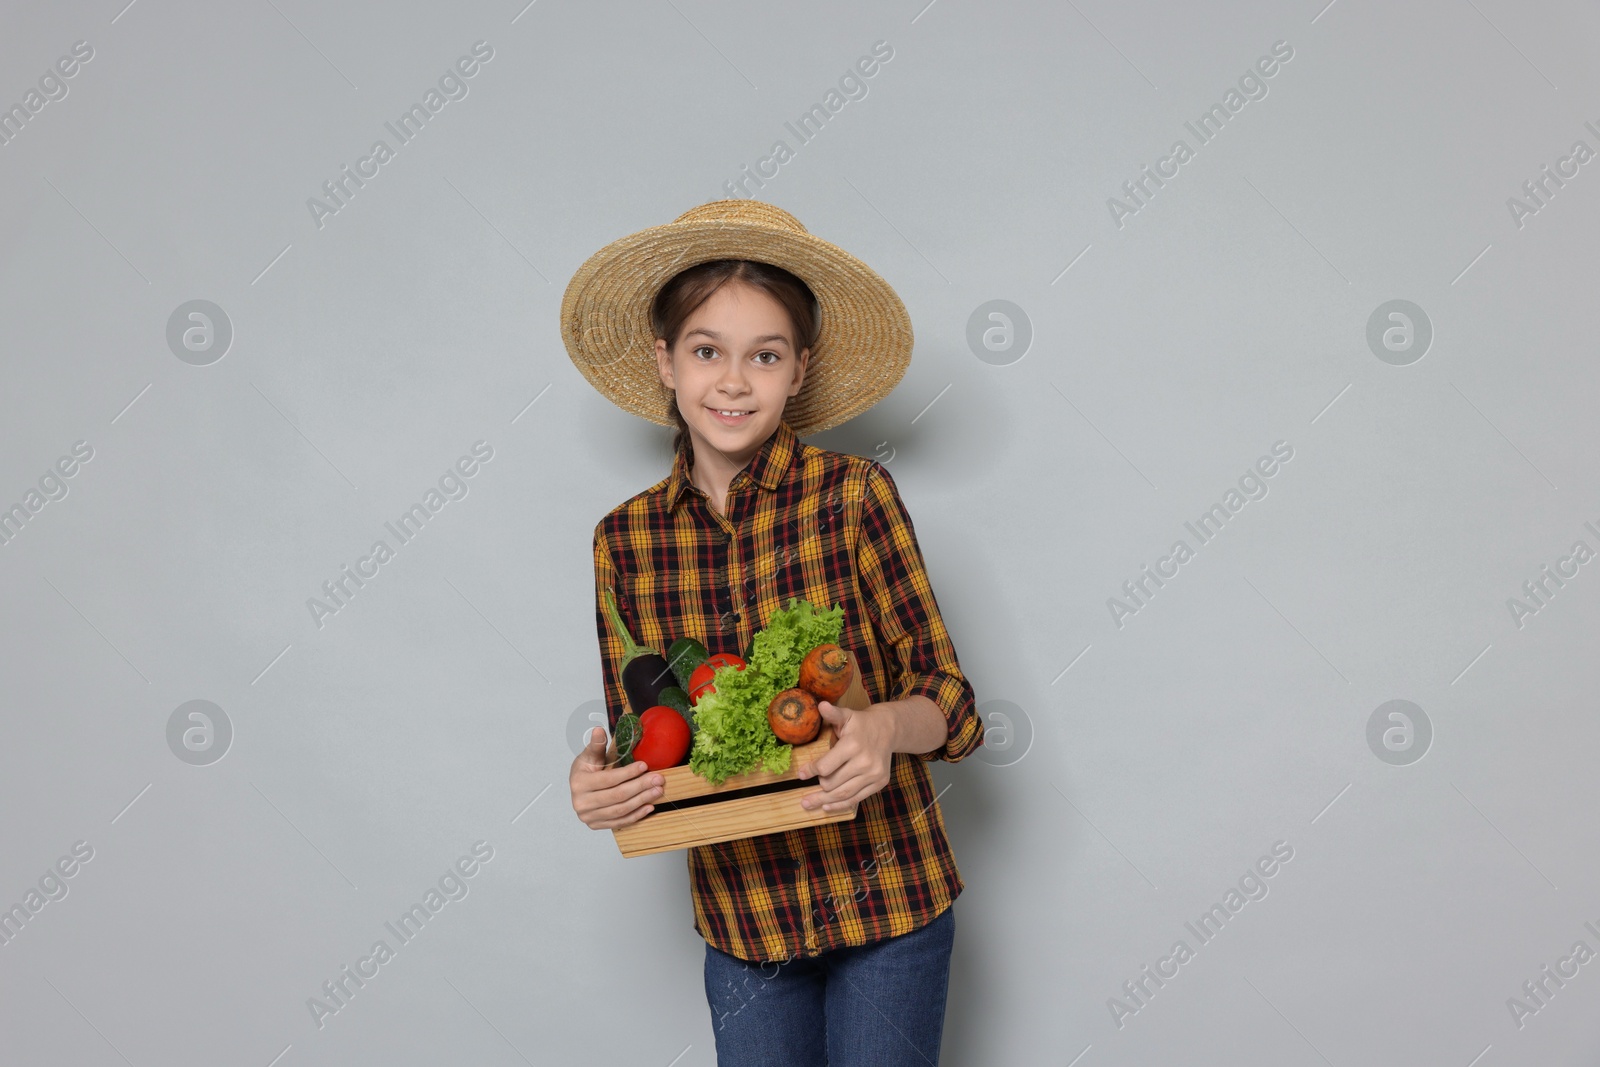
1168	354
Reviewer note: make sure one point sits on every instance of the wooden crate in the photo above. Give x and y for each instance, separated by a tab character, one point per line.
708	821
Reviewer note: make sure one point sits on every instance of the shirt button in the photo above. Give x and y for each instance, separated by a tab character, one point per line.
730	622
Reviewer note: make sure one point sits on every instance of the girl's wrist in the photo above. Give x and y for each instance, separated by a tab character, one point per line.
919	725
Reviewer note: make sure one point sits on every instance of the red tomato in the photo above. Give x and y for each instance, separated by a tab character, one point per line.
700	680
665	738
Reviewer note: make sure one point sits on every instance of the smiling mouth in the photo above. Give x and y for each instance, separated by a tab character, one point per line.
727	414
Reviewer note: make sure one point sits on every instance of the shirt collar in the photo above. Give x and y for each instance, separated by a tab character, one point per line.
765	469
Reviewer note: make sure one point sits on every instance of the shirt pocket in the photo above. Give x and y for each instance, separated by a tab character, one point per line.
667	605
813	558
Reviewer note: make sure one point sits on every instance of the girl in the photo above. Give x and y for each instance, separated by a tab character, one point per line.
831	943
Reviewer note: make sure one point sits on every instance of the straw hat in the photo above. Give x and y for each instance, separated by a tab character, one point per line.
862	349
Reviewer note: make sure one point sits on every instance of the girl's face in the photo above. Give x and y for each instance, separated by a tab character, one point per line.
733	355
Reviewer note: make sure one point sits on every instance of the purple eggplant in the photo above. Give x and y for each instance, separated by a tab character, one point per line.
645	672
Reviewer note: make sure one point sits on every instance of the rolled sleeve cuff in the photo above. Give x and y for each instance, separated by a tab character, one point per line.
954	697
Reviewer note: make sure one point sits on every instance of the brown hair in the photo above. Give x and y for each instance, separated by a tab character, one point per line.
690	288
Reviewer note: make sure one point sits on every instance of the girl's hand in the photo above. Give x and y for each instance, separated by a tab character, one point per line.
858	764
606	797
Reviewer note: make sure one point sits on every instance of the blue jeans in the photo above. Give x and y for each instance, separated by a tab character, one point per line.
877	1005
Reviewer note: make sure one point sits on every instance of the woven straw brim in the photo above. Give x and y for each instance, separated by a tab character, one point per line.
861	353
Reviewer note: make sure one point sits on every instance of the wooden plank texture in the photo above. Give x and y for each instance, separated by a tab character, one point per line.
723	820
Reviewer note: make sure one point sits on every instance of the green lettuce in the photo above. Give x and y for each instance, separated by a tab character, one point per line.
733	735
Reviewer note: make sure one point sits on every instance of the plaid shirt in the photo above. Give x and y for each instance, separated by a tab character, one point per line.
829	528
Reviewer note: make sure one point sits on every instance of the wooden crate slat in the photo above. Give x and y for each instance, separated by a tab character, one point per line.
725	820
680	783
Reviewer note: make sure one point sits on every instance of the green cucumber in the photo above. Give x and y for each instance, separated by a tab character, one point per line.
678	701
627	734
683	657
